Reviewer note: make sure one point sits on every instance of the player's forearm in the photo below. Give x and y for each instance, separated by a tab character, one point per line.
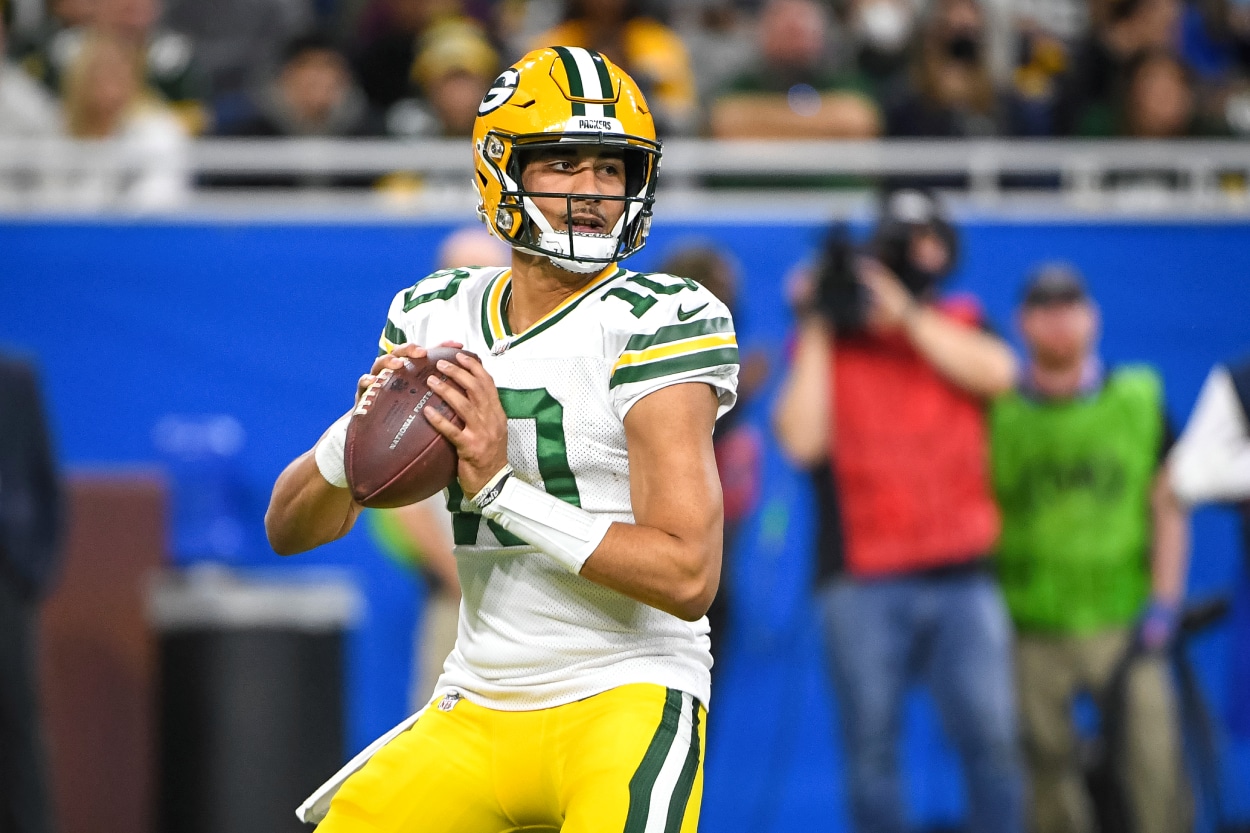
1170	560
676	575
305	511
801	418
975	361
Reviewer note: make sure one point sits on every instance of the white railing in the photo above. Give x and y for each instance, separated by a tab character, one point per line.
1075	169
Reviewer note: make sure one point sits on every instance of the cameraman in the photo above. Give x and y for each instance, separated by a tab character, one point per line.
884	403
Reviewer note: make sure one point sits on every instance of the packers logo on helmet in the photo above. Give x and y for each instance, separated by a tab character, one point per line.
552	98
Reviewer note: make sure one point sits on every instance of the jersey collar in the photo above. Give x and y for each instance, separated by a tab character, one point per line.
495	327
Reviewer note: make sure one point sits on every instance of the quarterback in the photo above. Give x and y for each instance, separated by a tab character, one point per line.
587	511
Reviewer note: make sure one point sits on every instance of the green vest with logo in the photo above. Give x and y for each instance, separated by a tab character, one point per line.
1073	479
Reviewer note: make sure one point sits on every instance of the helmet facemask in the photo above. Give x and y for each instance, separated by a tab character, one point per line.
522	223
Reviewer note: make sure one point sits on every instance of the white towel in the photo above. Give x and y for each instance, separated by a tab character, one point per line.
315	807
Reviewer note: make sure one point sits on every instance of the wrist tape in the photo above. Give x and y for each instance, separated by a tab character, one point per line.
330	450
565	532
488	493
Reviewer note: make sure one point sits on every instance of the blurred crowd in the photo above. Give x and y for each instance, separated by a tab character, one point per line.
726	68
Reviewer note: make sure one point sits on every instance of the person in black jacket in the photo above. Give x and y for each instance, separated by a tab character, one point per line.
30	515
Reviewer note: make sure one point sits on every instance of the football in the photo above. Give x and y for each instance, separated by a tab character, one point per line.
393	456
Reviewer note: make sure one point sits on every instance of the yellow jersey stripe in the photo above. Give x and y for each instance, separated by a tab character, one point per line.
676	348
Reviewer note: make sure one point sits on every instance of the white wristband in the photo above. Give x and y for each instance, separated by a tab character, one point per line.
330	450
567	533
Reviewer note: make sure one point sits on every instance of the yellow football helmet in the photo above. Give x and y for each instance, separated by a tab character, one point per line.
552	98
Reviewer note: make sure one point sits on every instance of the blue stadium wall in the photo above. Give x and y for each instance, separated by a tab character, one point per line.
272	322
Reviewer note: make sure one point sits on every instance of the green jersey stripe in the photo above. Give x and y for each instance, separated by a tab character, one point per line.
676	364
643	781
605	83
663	288
575	78
676	332
685	781
463	524
393	334
490	288
412	300
503	308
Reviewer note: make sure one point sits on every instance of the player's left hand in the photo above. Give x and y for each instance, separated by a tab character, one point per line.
891	302
482	443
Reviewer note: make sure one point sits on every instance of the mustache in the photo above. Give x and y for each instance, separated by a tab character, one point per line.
585	216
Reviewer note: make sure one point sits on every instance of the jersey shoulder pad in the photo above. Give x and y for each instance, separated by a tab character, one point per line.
646	307
672	327
438	291
644	301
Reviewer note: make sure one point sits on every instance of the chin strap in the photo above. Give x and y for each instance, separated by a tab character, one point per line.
600	248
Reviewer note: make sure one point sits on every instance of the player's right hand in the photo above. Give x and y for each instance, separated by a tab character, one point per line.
394	360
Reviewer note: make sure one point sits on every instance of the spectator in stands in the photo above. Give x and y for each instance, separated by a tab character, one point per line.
420	535
166	57
26	112
1159	101
147	167
882	36
1215	41
454	69
238	47
738	445
720	37
644	47
1042	58
1092	561
313	94
793	92
1101	61
56	15
952	93
1066	20
30	521
884	403
387	45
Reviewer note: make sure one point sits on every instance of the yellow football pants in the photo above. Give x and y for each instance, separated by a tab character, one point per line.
629	760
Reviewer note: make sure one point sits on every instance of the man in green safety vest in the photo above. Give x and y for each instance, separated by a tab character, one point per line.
1092	559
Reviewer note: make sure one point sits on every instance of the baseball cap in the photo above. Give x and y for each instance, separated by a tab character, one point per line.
1054	283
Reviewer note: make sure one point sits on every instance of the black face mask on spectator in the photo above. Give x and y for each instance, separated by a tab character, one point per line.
964	47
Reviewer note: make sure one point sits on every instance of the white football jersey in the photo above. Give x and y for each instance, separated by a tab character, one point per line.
531	634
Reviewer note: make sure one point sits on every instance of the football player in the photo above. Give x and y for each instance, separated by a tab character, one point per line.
587	510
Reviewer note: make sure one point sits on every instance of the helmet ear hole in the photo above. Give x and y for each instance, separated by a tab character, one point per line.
520	160
635	171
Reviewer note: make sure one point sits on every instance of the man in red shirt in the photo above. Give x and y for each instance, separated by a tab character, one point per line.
884	403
